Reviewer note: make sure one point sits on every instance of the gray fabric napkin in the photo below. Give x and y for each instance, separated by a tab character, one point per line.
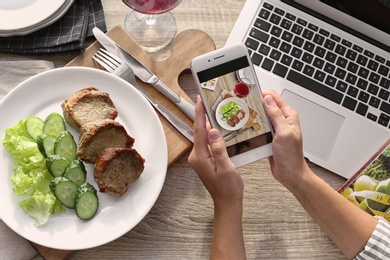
13	246
66	35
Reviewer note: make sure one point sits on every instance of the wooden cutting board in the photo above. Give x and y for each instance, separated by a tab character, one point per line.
186	45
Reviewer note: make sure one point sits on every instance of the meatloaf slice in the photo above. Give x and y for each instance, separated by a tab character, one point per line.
101	134
87	105
116	169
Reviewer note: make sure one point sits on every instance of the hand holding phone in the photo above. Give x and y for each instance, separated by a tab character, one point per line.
233	101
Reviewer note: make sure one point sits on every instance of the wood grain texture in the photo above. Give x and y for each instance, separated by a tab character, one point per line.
179	226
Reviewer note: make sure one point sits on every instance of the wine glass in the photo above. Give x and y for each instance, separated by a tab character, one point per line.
150	23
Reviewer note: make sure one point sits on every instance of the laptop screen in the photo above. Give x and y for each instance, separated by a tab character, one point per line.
366	19
373	12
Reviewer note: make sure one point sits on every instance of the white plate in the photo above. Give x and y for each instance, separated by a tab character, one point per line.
223	123
44	23
43	94
18	14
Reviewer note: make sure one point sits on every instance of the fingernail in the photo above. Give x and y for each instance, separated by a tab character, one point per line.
269	100
214	134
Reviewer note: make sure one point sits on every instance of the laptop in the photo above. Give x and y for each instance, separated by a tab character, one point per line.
330	60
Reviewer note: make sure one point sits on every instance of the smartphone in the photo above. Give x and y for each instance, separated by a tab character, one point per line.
232	97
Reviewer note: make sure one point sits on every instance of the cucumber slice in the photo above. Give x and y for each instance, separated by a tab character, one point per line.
46	144
56	164
54	124
34	126
76	172
66	146
86	201
64	190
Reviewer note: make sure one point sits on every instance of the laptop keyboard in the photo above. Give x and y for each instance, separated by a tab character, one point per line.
321	62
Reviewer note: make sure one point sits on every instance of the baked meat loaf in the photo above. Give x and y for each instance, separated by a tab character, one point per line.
87	105
116	169
101	134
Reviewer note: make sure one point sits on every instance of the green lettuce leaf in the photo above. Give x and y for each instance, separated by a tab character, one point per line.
30	176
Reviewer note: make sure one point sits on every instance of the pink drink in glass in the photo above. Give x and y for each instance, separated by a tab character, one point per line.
152	6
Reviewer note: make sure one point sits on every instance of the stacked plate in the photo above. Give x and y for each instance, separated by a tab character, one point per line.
21	17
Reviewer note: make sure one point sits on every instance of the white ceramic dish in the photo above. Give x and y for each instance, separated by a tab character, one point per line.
43	94
39	25
223	123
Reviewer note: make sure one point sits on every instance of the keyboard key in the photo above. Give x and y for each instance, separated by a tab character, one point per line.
251	43
285	47
308	70
383	70
275	19
301	22
331	57
340	49
340	73
267	64
374	78
373	89
276	31
349	103
319	75
286	60
363	72
287	36
274	42
259	35
330	81
357	48
384	94
290	16
298	41
342	86
372	117
280	70
351	78
307	34
308	46
362	60
268	6
346	43
296	52
351	55
275	54
369	54
329	44
352	91
362	109
363	96
362	84
307	57
324	32
341	62
352	67
279	11
286	24
264	14
380	59
385	83
297	29
320	51
256	58
335	37
318	63
374	102
263	25
383	119
373	65
298	65
319	39
264	49
315	86
313	27
330	68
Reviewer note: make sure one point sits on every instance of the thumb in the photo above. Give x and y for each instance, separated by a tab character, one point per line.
218	149
274	113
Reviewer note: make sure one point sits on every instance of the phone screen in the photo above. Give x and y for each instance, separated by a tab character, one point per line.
234	105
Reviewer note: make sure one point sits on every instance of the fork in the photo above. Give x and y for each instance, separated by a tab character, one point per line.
116	66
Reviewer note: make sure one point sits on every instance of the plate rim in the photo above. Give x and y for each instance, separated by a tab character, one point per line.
164	155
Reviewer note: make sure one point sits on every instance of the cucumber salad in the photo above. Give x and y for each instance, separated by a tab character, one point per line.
47	172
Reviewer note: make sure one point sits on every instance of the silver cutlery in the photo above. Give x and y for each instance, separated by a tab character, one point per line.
116	66
143	73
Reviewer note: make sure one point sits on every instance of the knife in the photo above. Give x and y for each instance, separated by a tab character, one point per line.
143	73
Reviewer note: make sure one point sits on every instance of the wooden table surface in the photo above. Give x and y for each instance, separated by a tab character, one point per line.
180	224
